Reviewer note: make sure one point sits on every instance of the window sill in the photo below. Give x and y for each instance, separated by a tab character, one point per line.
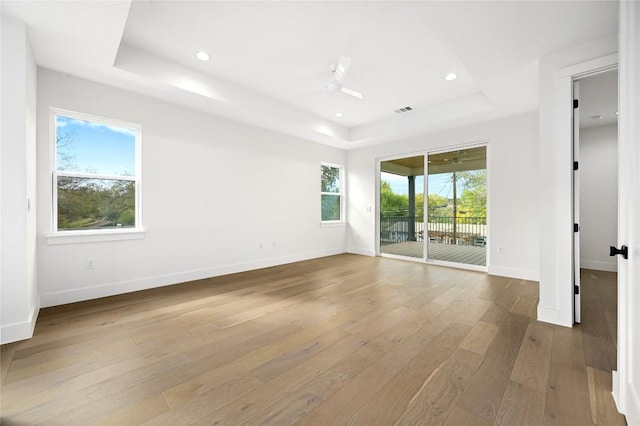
333	224
78	237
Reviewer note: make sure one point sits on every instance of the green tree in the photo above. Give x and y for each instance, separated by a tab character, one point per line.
329	179
473	200
420	207
118	203
438	206
330	183
392	204
90	203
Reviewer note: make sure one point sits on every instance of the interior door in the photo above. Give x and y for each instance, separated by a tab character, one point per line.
629	269
626	384
576	202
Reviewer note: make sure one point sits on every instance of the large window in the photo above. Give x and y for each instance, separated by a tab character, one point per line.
331	192
96	173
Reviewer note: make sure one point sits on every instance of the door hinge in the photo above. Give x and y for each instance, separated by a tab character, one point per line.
575	103
576	289
575	165
576	227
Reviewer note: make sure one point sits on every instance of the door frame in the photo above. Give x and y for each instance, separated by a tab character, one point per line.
626	380
478	144
377	207
576	203
562	293
625	392
425	153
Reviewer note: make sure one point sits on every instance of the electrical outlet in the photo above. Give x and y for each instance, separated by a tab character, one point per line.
89	263
500	250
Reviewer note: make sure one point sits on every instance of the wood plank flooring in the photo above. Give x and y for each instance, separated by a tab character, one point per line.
340	340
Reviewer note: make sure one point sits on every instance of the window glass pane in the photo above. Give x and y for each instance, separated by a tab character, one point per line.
95	203
330	207
90	147
330	179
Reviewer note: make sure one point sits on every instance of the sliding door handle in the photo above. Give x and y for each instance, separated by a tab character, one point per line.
623	250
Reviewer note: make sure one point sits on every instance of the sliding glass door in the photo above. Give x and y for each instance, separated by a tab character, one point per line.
450	224
457	206
402	207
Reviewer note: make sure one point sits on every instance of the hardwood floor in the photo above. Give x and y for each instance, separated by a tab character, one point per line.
340	340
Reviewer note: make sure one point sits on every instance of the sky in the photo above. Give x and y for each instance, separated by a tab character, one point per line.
95	147
438	184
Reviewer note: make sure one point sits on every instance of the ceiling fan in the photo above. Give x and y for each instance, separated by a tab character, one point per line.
338	71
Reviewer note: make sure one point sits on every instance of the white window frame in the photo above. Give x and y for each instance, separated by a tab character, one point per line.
79	236
340	221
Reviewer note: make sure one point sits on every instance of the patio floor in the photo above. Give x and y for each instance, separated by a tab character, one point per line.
470	255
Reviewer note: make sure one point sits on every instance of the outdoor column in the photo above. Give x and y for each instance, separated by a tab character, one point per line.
412	208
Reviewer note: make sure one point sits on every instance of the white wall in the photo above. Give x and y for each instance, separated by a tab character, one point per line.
598	197
555	196
513	188
17	182
213	190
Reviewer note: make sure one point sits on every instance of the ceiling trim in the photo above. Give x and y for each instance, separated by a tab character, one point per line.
230	101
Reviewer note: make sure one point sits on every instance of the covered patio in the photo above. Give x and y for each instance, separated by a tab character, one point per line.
470	255
452	234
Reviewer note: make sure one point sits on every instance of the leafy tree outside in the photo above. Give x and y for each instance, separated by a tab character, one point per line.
472	202
330	187
88	203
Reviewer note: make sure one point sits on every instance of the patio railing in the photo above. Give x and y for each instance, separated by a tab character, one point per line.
443	229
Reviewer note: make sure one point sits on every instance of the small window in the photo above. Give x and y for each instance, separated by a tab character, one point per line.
331	192
96	173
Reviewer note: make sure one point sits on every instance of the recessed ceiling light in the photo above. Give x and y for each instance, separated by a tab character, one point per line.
202	55
339	114
597	117
451	76
617	112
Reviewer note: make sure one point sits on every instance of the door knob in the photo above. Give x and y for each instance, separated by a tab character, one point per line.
623	250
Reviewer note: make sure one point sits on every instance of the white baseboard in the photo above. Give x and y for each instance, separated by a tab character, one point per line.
626	399
112	289
21	330
615	389
362	252
598	265
552	316
521	274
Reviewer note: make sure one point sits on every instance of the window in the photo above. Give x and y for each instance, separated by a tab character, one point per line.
96	174
331	189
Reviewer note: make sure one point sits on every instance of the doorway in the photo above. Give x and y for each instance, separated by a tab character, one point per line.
595	178
457	206
595	206
449	225
402	207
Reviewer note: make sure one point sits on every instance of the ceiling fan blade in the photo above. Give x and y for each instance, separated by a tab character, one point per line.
352	93
341	68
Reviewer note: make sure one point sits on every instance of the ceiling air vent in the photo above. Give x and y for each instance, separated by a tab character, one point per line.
405	109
